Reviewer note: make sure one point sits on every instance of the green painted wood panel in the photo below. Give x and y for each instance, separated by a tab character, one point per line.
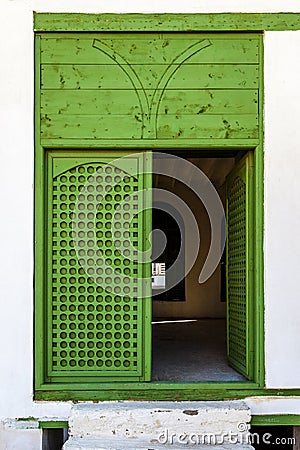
210	76
91	127
96	316
168	126
210	126
92	102
84	77
154	86
239	266
150	48
192	101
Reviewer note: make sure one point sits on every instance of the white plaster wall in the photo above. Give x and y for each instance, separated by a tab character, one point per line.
161	6
282	208
16	178
273	405
17	439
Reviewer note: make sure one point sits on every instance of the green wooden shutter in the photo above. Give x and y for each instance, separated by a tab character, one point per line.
239	267
97	327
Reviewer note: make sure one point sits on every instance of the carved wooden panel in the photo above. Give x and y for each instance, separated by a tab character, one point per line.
149	86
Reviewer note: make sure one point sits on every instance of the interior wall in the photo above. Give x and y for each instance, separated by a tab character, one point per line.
202	300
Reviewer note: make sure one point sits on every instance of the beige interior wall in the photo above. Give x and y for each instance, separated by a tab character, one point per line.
202	300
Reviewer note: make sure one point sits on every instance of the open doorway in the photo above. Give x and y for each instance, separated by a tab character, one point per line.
198	335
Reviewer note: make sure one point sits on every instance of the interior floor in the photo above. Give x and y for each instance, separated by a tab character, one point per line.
191	350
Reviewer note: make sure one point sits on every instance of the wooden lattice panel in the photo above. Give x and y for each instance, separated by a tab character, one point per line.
96	324
237	293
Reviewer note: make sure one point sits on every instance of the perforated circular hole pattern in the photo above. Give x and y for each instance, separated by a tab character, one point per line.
236	242
95	324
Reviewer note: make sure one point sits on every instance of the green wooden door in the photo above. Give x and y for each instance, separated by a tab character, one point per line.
115	90
239	267
97	312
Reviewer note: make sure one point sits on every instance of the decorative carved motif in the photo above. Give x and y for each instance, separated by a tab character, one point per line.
150	106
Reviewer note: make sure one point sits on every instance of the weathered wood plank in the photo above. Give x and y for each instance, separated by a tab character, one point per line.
155	49
203	101
113	102
91	127
168	126
84	77
90	102
204	126
187	76
215	76
167	22
206	146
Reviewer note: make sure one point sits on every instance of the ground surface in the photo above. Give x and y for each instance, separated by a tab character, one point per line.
191	351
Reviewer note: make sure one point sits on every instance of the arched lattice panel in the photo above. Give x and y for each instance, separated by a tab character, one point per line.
96	319
239	269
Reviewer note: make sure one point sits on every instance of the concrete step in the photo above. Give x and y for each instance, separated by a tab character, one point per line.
115	443
149	425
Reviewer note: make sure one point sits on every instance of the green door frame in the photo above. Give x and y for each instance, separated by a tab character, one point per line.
171	22
168	390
